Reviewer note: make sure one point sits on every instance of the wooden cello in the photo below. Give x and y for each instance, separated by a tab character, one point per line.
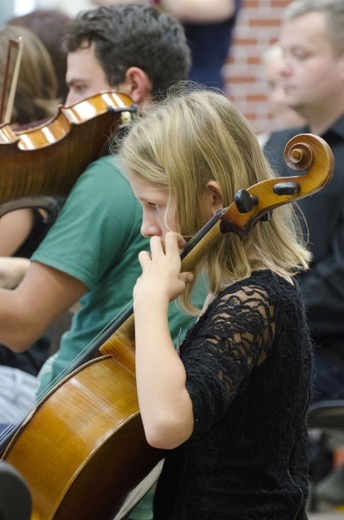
82	451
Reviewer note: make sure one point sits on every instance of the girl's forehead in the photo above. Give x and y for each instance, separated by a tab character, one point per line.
145	190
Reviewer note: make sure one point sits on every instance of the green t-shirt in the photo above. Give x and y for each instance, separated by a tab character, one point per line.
96	239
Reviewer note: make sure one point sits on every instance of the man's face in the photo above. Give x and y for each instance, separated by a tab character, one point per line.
283	111
85	75
312	75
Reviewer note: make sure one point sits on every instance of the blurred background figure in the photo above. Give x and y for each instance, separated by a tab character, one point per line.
209	30
35	100
283	116
21	231
312	39
36	91
50	26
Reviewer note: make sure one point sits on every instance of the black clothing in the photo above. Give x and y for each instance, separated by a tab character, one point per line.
209	44
323	285
37	233
32	359
247	457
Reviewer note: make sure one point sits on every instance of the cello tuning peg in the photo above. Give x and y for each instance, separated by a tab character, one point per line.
286	188
244	201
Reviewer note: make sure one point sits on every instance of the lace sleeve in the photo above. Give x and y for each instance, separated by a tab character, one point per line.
220	352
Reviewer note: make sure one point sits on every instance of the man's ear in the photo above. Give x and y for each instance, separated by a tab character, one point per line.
213	197
137	85
341	63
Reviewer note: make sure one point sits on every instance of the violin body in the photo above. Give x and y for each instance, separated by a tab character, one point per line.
46	160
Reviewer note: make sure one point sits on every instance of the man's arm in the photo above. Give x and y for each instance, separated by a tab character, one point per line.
200	11
191	11
30	309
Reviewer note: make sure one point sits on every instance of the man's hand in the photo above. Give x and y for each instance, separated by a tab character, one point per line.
12	271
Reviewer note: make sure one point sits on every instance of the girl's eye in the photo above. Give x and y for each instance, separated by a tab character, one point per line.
154	206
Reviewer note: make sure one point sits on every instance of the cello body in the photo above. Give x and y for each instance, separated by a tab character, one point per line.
72	450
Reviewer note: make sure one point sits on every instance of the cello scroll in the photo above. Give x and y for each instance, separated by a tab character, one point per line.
302	152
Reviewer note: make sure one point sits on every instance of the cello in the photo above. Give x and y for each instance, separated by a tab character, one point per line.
75	447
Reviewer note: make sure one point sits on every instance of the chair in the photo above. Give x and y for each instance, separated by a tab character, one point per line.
327	417
15	496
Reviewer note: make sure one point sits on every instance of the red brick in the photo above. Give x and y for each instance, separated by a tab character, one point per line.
257	28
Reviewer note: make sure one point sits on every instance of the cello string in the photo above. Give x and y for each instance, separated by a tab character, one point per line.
98	341
319	174
8	432
91	347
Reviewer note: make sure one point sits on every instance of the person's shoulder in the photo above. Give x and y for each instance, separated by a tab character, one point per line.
105	164
282	136
262	284
105	175
274	147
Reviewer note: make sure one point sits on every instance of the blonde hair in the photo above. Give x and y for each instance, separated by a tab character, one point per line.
36	92
198	136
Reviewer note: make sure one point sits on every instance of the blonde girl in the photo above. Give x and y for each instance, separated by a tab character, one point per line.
230	407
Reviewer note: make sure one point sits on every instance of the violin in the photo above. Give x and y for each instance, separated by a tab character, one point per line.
82	450
45	161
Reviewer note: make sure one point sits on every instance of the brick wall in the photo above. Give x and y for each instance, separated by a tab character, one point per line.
257	28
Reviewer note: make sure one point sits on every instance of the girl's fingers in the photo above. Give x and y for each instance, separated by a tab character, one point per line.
173	242
144	259
156	245
186	277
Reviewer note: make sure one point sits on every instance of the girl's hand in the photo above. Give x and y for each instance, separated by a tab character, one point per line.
161	276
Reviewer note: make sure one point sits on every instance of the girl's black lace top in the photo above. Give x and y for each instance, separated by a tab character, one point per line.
248	361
